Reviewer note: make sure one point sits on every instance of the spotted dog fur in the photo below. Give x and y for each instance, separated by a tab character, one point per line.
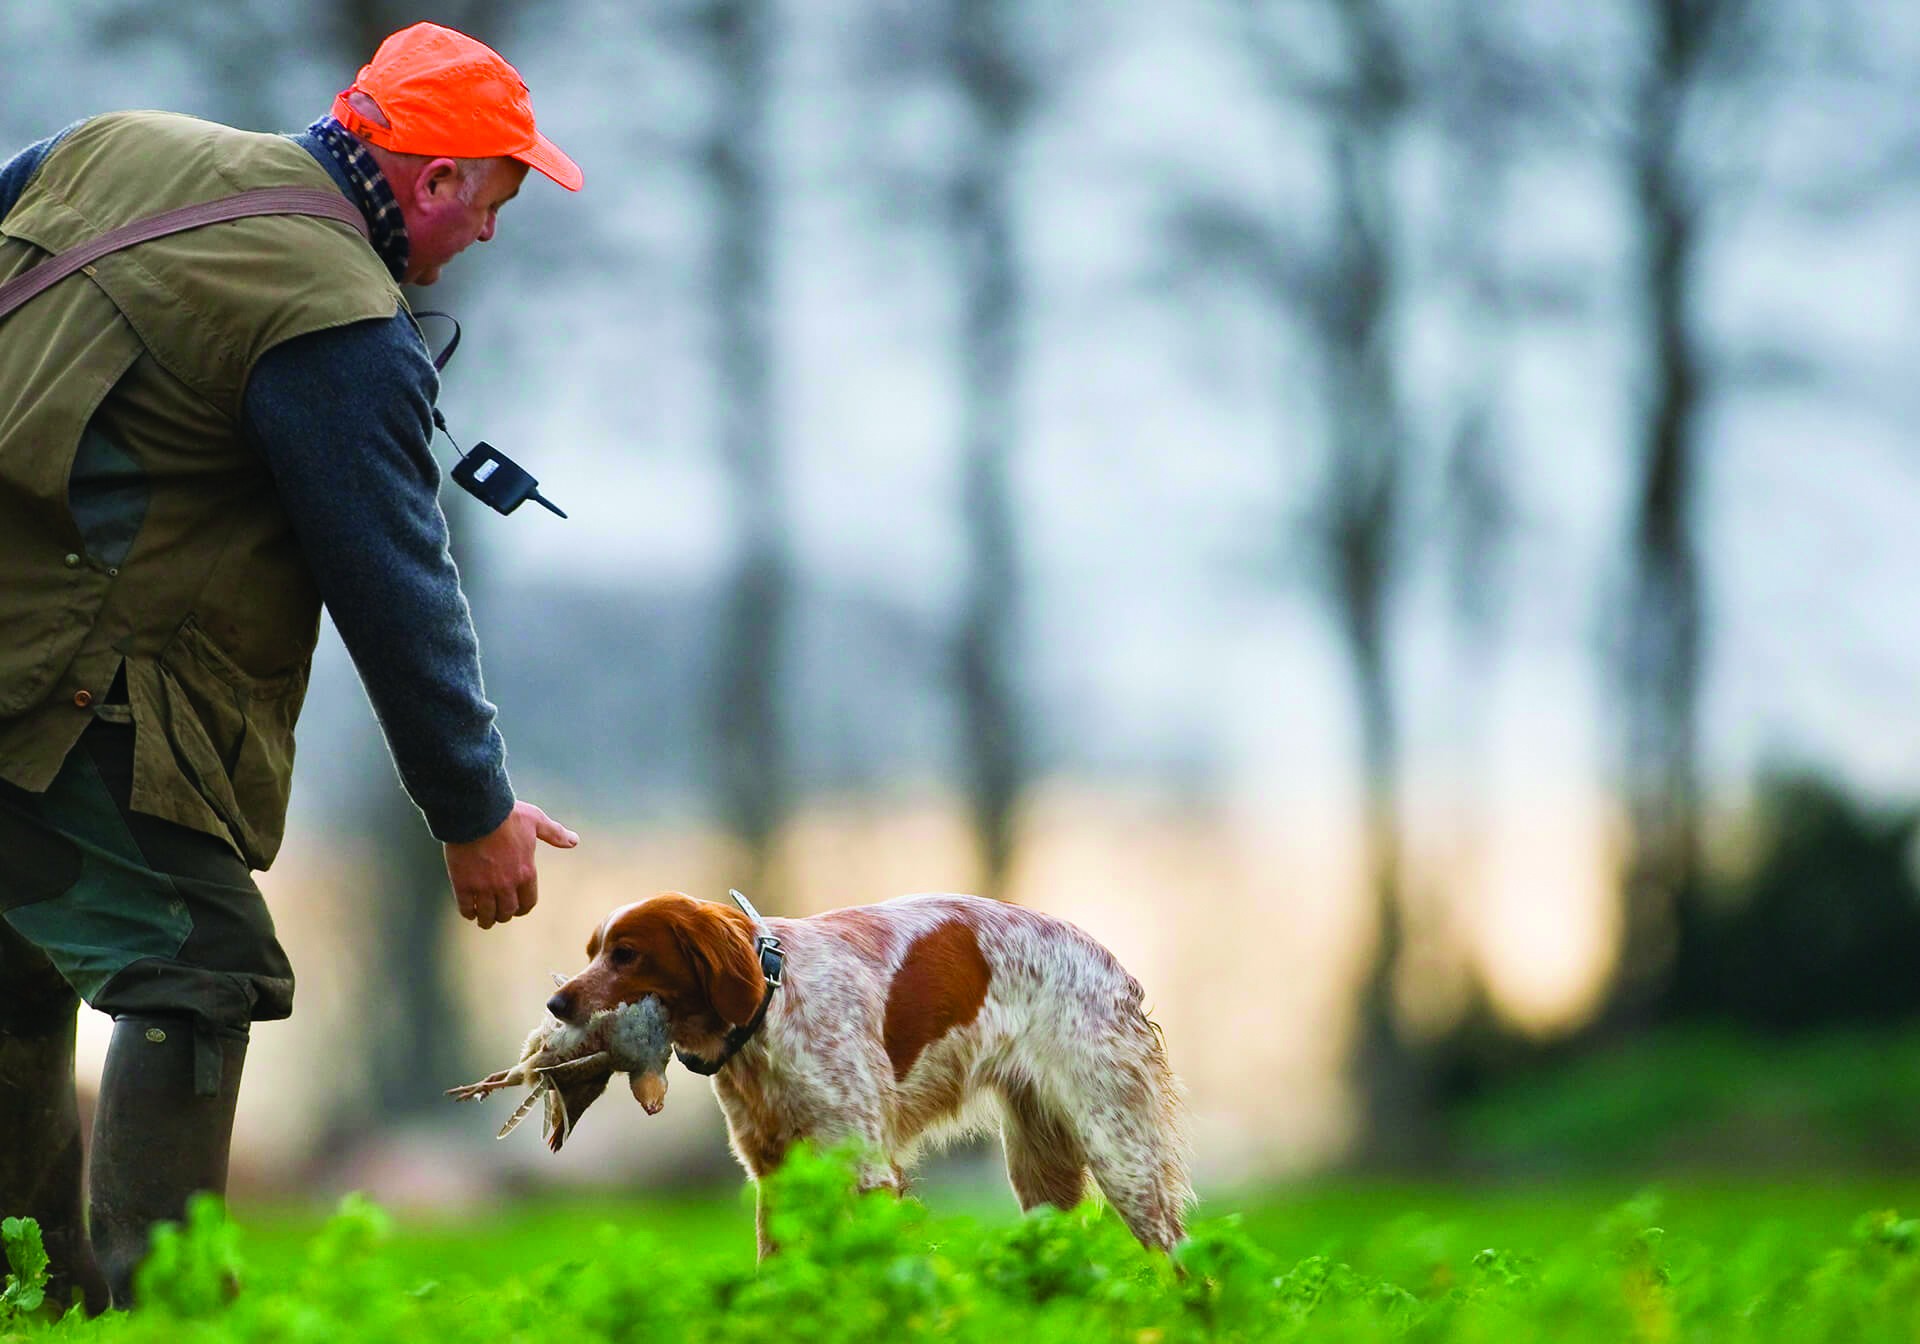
911	1022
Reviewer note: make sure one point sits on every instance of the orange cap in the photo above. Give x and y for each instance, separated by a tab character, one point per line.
444	93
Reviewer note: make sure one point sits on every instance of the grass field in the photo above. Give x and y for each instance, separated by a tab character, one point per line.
1567	1262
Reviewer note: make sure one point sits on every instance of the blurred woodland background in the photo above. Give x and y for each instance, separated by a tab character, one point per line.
1394	516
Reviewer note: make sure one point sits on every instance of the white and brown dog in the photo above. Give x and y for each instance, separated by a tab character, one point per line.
908	1021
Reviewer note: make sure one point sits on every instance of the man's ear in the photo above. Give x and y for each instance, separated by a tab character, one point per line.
718	944
437	180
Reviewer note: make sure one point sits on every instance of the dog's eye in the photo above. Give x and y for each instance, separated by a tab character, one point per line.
623	956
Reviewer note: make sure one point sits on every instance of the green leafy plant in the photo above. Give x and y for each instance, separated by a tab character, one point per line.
1369	1266
27	1285
193	1268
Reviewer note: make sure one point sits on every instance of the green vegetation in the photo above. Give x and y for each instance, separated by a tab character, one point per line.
1708	1097
25	1289
1346	1263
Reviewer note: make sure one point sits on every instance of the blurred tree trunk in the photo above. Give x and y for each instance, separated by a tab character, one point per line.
1478	109
980	214
1346	292
757	611
1337	277
1357	534
1661	644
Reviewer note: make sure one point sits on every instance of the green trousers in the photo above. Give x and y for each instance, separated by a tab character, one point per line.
137	915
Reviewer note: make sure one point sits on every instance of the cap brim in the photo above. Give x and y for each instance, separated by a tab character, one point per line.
549	159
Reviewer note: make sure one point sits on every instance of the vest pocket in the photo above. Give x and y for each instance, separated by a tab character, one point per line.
230	735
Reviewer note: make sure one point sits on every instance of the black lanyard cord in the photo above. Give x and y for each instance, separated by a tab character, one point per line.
440	360
486	473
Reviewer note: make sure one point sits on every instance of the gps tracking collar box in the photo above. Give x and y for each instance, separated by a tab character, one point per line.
486	473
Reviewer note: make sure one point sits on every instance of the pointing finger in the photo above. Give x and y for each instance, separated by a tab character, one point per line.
554	833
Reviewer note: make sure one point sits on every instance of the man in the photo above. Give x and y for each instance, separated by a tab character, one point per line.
202	438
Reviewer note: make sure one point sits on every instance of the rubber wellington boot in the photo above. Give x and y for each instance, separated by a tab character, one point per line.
40	1159
160	1134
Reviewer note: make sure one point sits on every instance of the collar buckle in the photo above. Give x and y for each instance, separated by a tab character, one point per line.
773	959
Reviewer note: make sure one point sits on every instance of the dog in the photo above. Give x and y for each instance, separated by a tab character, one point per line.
917	1019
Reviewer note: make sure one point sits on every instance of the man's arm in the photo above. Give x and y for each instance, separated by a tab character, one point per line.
344	420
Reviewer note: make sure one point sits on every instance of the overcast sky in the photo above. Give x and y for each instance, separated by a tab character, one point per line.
1171	435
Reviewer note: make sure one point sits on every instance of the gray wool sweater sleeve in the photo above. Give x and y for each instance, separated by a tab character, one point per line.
343	418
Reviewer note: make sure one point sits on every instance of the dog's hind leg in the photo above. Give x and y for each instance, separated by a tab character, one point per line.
1129	1170
1132	1128
1045	1163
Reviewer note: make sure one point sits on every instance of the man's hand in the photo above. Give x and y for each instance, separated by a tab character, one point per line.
493	877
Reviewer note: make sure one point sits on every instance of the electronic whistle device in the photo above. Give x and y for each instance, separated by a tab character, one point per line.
486	473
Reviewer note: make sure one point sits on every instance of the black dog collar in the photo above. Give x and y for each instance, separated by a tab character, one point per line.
773	960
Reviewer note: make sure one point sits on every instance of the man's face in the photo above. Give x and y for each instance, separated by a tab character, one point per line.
446	212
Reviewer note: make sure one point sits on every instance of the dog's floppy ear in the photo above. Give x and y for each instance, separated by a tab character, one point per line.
718	944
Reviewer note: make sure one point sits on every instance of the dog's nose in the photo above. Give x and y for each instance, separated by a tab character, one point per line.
561	1006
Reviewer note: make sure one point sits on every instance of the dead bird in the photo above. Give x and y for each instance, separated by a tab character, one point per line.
568	1067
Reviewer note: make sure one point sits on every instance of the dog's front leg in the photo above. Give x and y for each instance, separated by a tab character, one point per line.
879	1175
872	1177
876	1173
763	1239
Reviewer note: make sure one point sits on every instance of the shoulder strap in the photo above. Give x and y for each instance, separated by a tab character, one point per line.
317	201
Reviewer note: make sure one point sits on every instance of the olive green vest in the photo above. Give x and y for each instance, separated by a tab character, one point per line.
190	581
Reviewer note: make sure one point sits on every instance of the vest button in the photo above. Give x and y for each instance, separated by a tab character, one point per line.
73	562
81	699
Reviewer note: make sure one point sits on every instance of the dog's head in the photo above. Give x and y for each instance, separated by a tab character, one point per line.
697	956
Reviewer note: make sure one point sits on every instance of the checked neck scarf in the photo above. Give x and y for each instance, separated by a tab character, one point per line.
371	192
